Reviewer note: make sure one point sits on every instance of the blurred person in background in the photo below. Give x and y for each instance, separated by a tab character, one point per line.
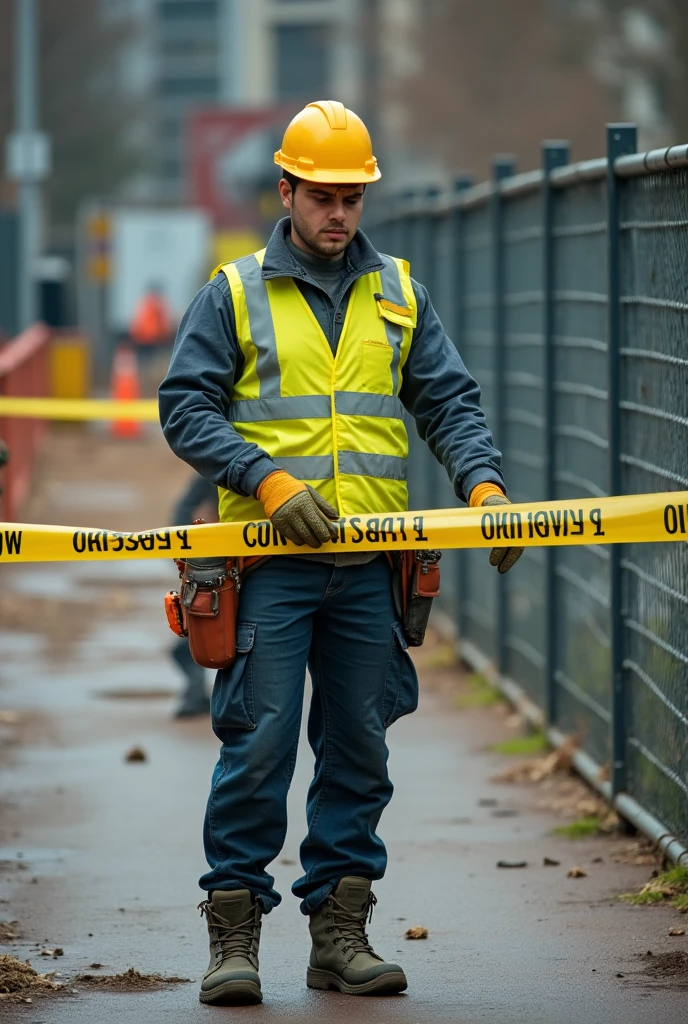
287	387
152	332
199	501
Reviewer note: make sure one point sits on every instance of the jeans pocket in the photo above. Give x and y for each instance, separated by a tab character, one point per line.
401	684
232	704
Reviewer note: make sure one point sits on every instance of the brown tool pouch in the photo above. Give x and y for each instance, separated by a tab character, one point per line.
205	609
209	603
415	582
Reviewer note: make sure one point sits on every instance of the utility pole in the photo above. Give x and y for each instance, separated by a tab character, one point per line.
28	158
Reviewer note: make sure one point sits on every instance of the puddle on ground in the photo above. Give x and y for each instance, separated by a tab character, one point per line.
19	645
39	583
23	858
129	693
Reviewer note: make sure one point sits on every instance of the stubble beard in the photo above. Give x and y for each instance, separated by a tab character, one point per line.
313	240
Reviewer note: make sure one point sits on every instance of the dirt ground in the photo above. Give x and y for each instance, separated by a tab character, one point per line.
100	855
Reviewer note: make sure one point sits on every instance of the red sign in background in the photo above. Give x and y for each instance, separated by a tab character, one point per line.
230	161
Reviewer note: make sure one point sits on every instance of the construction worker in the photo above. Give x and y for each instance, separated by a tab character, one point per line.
151	330
199	500
287	386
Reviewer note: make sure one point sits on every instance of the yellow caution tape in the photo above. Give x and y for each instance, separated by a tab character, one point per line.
145	410
626	520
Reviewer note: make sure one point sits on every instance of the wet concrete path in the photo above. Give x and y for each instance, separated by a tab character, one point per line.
101	857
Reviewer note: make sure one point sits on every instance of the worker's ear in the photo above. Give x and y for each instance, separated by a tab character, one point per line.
286	193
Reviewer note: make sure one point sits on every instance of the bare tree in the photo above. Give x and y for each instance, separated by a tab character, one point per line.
640	54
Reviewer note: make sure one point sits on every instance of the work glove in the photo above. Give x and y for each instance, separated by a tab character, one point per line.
297	510
503	558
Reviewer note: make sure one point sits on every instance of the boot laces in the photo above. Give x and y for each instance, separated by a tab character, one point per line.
351	926
231	939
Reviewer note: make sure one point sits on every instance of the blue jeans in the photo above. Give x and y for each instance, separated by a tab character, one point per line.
339	622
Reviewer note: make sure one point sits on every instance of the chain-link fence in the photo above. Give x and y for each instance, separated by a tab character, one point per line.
566	293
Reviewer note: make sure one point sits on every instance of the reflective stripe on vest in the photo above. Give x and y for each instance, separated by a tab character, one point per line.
333	421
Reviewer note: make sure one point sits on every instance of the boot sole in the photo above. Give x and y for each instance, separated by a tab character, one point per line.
389	984
233	993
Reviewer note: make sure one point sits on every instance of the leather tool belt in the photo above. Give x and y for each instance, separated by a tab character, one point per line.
415	582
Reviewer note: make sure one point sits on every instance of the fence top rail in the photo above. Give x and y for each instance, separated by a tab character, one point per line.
521	184
637	165
634	165
585	170
22	348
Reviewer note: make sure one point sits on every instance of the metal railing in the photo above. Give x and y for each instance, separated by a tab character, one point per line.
566	293
23	373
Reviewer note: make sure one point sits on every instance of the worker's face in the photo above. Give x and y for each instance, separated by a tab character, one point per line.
325	217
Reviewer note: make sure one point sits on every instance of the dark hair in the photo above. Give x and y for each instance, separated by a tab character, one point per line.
294	181
291	178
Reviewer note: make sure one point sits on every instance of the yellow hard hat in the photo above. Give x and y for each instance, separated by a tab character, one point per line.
328	143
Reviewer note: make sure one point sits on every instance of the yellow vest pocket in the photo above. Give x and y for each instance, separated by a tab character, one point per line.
376	362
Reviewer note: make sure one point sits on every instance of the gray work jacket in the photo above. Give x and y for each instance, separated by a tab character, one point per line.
194	398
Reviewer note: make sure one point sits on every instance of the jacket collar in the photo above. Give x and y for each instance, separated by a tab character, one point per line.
361	256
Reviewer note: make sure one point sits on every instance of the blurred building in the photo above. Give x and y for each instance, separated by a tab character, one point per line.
244	53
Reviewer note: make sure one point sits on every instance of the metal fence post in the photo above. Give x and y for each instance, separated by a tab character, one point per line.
462	181
554	154
621	139
502	167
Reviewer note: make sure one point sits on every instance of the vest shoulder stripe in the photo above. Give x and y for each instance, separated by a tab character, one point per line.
390	276
261	326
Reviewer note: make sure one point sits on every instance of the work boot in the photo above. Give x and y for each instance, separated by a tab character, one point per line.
233	919
341	957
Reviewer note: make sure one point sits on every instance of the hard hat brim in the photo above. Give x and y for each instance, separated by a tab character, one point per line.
329	176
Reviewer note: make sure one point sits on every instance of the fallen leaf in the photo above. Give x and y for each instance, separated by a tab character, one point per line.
668	891
416	932
136	754
539	768
677	931
514	721
577	873
610	822
549	863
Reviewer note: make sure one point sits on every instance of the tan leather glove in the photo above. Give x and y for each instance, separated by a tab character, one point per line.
297	510
489	494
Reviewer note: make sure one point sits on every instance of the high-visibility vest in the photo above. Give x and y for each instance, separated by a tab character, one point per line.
335	422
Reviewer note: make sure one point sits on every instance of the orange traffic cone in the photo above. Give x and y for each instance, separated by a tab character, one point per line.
125	388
